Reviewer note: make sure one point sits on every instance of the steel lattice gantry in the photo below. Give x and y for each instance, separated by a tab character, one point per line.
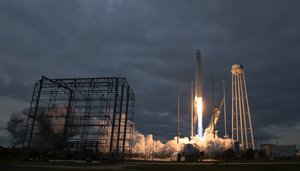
81	114
242	131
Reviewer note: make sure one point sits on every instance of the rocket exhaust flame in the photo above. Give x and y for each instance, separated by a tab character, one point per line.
199	110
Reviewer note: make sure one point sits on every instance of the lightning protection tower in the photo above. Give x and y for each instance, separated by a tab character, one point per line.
241	118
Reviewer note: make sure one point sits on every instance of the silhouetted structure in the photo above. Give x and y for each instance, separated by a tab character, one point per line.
86	116
242	131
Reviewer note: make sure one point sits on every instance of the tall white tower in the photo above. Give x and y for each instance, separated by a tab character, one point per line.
241	118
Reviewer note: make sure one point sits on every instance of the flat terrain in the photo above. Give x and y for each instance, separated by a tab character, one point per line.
149	166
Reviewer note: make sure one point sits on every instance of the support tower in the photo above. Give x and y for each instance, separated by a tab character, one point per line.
241	118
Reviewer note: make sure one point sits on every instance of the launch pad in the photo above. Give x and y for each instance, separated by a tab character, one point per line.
83	117
242	133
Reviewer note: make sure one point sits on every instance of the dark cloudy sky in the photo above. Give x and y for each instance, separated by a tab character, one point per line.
149	43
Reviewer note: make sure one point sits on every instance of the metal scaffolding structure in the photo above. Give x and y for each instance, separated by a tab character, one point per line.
81	115
242	131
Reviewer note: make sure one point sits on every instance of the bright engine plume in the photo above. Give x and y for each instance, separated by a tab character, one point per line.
199	110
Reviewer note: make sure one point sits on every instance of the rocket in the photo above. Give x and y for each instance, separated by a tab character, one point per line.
196	117
198	81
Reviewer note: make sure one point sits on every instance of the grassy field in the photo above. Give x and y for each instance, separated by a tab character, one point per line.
145	167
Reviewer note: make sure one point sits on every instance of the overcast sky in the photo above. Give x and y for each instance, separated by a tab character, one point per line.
149	43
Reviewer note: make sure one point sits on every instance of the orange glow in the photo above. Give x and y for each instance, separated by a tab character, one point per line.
199	105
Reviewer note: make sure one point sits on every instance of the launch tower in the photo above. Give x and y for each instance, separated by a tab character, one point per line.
241	118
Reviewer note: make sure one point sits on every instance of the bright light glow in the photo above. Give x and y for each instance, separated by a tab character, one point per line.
199	106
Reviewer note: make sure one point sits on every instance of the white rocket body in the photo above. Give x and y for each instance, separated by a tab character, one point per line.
198	83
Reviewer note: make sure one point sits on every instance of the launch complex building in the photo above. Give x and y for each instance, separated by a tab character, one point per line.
95	116
85	116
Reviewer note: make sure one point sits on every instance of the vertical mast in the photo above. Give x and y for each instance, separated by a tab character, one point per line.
192	110
225	112
178	109
213	101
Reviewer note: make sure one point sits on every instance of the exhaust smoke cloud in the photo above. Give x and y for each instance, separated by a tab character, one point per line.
142	145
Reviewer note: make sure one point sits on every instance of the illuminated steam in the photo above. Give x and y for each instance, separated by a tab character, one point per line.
144	146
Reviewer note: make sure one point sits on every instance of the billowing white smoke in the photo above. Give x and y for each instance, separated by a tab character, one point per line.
146	146
50	127
50	131
142	146
16	126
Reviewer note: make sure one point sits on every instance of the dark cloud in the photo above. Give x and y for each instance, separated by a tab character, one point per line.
150	42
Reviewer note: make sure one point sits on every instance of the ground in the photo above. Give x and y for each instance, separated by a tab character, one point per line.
148	166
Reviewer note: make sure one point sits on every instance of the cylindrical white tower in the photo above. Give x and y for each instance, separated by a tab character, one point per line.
241	118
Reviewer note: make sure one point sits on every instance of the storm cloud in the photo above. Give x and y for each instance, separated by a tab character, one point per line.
150	43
